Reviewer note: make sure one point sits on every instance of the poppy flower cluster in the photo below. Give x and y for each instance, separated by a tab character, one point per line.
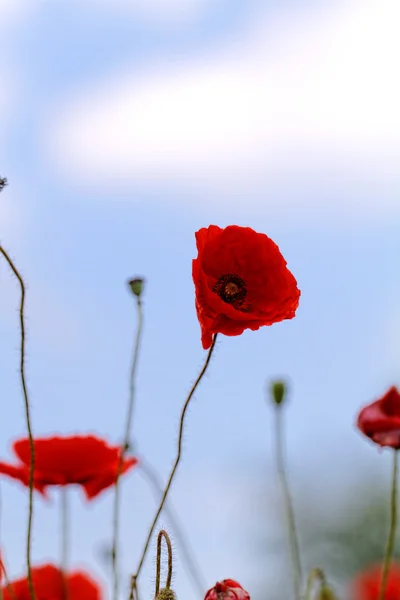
87	461
241	282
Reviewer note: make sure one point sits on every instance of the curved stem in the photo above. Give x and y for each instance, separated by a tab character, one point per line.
184	544
128	426
27	416
392	529
288	503
174	468
8	586
163	534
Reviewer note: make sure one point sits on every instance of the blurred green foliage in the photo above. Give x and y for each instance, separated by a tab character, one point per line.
342	535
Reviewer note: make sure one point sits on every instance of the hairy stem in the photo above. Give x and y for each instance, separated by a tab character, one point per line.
184	544
174	468
288	504
392	529
128	426
163	534
27	416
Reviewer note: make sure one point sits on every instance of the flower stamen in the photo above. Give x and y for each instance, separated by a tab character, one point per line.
231	289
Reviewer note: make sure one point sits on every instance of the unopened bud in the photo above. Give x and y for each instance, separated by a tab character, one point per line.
166	594
227	589
136	286
278	391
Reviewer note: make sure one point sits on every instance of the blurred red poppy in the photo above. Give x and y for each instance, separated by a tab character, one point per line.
228	589
380	420
50	584
87	461
366	585
241	282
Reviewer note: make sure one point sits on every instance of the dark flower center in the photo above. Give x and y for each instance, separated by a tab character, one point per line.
231	289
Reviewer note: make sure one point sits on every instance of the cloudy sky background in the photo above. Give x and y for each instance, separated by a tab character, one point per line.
125	127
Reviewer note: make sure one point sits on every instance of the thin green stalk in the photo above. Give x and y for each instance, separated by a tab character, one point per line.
392	529
28	418
288	504
128	426
174	468
64	539
314	576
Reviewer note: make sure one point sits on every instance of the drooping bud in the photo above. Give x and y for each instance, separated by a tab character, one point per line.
136	286
166	594
278	392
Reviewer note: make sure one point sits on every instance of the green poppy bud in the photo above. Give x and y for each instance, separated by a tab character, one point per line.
136	286
278	391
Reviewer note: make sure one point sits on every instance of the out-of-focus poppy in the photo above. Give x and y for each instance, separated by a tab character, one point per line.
380	420
87	461
241	282
366	585
49	583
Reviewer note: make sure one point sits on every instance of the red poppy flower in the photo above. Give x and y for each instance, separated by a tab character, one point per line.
228	589
366	585
83	460
380	420
241	282
50	584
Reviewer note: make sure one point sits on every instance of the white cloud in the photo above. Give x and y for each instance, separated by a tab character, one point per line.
300	93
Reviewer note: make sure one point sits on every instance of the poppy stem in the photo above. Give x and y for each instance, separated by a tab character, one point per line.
8	586
392	529
314	576
64	538
128	427
27	416
184	544
288	503
163	534
174	468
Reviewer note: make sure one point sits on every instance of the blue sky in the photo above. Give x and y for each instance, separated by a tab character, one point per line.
124	131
